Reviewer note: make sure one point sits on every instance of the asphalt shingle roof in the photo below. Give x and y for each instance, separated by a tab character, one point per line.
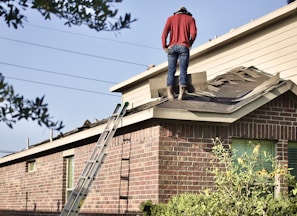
225	92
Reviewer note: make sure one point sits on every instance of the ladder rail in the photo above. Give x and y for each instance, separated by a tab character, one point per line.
110	120
93	166
125	176
79	189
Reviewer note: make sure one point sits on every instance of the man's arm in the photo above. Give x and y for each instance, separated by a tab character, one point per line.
165	33
193	31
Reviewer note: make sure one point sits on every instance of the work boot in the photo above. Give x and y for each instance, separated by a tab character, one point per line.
170	93
182	92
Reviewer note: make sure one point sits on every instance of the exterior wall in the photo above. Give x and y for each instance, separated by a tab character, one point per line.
272	49
33	191
185	154
185	147
167	157
143	182
138	95
42	192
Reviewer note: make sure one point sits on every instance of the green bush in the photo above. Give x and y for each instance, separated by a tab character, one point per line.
242	187
146	207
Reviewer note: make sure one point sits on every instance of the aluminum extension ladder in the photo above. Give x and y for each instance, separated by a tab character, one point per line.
81	190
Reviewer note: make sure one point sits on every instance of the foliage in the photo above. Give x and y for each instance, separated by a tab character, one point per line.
243	186
14	107
146	207
96	14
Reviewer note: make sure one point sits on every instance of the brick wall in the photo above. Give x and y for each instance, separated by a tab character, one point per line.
275	120
37	190
185	146
185	154
167	157
141	146
45	188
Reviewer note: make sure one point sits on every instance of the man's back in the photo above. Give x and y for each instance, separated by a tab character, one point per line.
182	29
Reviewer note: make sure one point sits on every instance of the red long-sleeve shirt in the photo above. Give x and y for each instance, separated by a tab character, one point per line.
182	29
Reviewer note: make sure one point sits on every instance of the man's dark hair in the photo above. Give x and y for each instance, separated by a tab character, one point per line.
182	10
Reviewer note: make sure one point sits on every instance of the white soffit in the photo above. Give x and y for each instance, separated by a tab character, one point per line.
127	120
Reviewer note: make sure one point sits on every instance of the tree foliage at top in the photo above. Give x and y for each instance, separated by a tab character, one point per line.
14	107
96	14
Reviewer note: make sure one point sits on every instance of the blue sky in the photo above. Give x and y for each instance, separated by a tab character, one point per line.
107	57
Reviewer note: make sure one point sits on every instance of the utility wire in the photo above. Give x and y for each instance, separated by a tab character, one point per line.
73	52
95	37
59	86
58	73
7	151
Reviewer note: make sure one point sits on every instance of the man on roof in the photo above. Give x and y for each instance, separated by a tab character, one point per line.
181	27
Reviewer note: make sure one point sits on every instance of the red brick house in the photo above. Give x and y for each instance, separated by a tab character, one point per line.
168	143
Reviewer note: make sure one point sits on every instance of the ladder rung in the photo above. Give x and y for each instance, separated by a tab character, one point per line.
101	145
124	197
79	194
75	192
87	177
125	178
125	159
92	161
70	210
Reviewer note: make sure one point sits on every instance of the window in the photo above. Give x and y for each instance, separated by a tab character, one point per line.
69	175
292	158
31	166
247	145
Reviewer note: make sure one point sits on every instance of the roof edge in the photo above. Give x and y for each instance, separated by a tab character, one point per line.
228	117
44	147
160	113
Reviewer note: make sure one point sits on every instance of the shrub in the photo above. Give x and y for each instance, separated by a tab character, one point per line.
242	187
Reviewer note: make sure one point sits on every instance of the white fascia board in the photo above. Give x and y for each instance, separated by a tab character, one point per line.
185	115
53	144
127	120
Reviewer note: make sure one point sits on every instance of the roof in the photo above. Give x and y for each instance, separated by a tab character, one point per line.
227	98
226	93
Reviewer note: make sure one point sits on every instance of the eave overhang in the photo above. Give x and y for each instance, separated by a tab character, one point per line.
234	113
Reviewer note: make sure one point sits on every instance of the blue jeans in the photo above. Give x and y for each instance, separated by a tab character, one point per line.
180	53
